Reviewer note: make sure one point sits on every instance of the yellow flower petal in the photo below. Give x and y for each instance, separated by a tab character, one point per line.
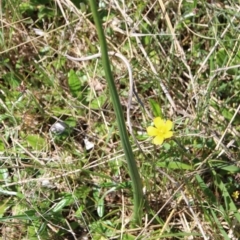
158	140
168	125
168	134
158	122
152	131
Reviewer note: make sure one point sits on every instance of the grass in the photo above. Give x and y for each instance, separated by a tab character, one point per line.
52	187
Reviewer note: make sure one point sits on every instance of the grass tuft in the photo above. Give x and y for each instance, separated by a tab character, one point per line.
185	62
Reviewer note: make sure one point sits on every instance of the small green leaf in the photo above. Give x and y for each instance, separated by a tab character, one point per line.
98	102
156	109
221	57
71	122
100	207
66	201
26	7
174	165
36	142
226	167
30	215
74	83
12	79
45	12
227	114
167	146
80	211
2	145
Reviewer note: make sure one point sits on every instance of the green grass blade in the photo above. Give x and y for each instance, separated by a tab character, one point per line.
136	181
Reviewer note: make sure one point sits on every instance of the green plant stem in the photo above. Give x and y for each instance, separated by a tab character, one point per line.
136	180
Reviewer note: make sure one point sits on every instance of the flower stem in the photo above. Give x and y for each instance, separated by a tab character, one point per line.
133	171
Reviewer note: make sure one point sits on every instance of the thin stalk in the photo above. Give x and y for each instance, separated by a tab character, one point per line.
133	171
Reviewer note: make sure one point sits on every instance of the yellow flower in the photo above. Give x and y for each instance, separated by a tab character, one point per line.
235	195
161	131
